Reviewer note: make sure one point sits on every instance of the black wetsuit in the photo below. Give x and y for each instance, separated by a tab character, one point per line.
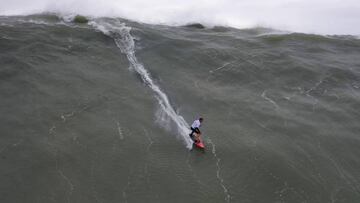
194	130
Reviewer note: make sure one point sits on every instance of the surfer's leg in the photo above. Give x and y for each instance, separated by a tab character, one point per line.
192	132
197	130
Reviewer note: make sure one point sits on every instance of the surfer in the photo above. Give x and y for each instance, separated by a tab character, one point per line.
195	128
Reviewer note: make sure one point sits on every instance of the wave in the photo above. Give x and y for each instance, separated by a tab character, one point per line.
278	14
125	42
277	37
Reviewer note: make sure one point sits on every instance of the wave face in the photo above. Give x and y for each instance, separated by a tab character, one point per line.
89	113
320	16
125	42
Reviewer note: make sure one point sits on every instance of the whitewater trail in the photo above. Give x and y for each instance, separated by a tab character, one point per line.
125	42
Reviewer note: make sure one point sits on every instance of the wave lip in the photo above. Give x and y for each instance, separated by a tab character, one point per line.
295	16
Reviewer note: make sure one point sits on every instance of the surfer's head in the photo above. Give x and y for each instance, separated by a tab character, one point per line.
201	119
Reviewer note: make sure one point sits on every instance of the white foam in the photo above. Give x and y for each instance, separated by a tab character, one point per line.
309	16
123	39
263	95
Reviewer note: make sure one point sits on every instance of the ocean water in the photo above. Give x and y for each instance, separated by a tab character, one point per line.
99	112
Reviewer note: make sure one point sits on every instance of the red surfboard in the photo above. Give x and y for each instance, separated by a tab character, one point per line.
200	144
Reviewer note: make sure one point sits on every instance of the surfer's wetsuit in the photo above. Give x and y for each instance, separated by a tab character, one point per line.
195	128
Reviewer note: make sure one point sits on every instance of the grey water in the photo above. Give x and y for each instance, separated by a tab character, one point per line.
99	112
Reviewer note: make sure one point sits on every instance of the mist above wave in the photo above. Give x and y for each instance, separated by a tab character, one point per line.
319	16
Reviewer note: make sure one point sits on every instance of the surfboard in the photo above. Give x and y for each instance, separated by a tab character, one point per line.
199	144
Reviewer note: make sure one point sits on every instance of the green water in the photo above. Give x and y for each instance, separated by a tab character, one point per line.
79	122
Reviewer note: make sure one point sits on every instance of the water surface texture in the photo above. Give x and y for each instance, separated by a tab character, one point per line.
99	112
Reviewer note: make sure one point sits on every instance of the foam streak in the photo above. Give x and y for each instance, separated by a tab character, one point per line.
123	39
221	180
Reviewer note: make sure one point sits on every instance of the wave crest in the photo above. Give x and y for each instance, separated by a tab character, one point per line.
296	16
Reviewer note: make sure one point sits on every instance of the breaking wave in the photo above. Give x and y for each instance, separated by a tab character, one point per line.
291	15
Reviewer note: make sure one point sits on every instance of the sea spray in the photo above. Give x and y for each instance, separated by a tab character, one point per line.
123	39
292	15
